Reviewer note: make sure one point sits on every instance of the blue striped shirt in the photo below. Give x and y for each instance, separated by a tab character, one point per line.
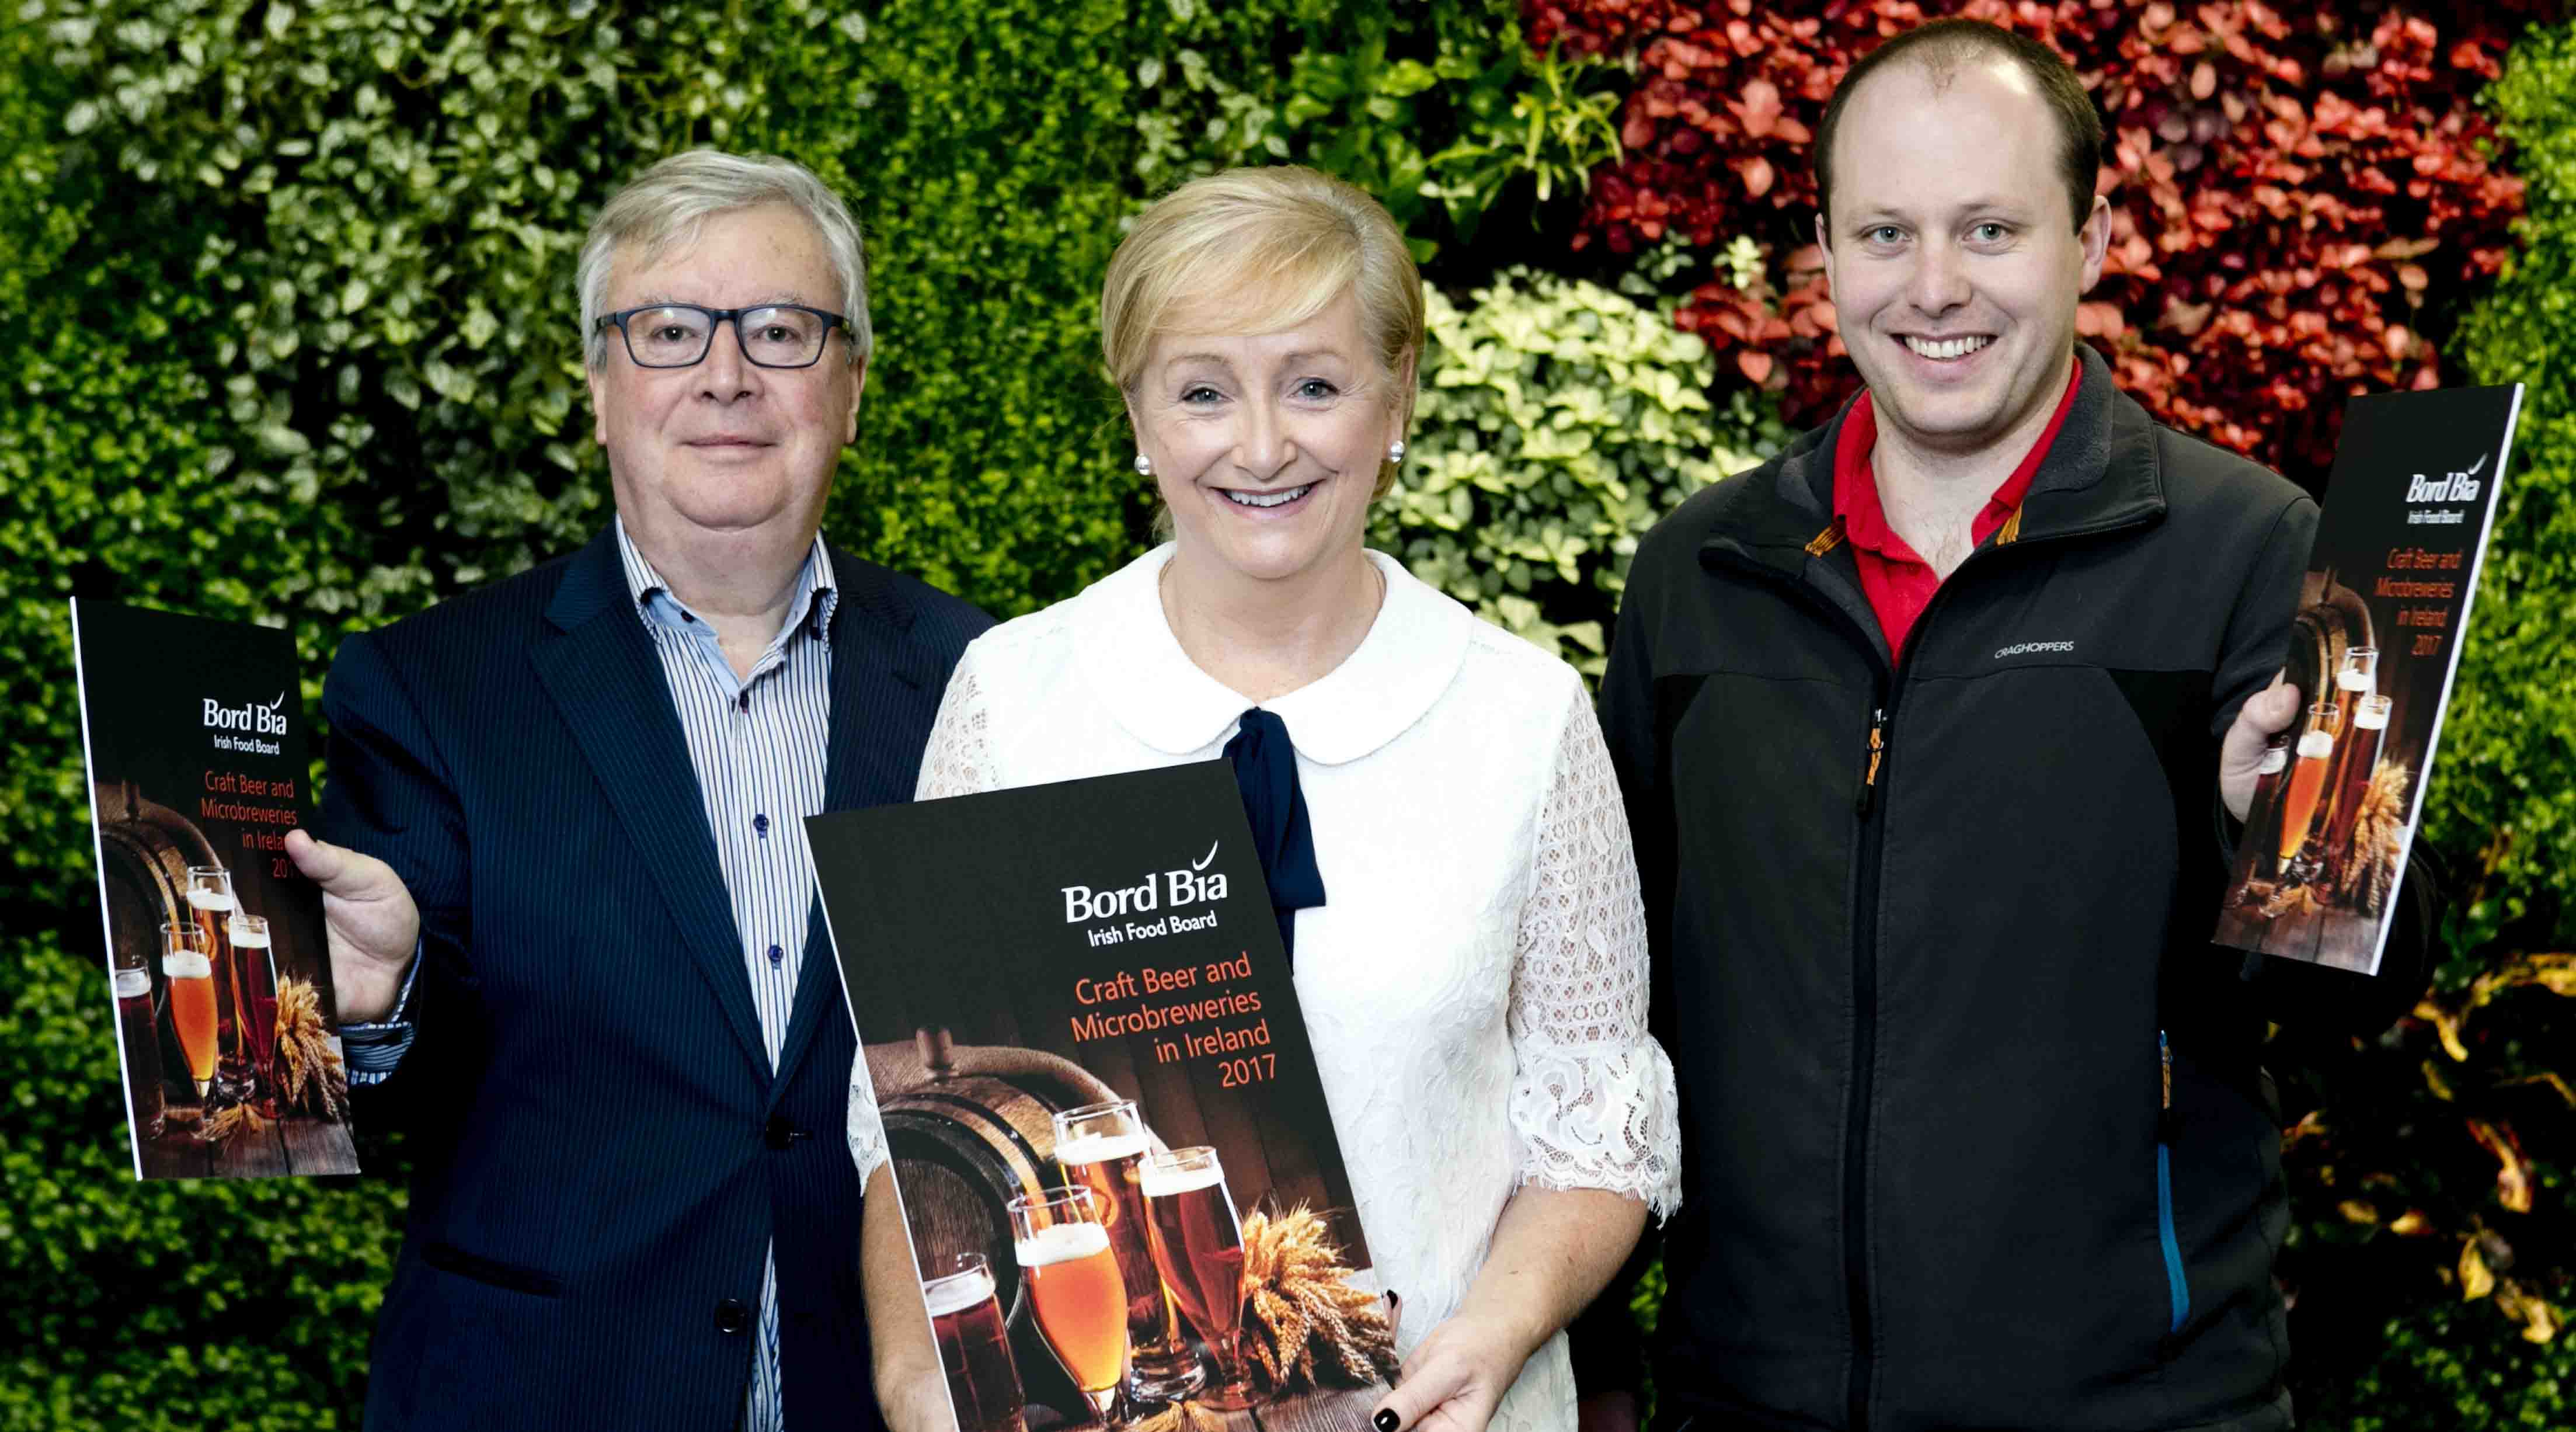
758	746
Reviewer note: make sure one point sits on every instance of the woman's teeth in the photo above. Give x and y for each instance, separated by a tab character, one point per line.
1267	499
1947	347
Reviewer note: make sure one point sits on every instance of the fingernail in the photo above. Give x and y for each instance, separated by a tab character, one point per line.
1385	1419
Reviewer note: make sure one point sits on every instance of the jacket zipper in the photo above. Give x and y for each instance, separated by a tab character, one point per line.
1877	755
1865	882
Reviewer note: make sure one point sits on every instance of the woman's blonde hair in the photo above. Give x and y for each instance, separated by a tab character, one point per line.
1257	251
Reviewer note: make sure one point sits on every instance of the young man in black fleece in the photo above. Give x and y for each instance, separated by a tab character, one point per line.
1931	731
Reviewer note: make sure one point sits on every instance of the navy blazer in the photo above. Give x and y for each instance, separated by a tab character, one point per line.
601	1152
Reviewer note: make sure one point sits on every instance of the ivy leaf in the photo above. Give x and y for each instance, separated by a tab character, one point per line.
2476	1281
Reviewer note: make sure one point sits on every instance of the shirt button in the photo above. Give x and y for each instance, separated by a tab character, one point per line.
777	957
732	1316
760	826
684	616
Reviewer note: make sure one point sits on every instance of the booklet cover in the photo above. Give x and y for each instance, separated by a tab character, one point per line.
1108	1138
2373	651
226	1026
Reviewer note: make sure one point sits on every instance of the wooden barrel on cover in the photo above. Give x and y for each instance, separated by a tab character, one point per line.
970	1129
147	848
963	1148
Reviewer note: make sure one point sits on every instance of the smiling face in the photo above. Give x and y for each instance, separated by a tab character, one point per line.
1955	270
726	449
1267	447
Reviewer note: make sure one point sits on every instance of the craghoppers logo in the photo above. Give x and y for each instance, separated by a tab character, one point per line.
2032	648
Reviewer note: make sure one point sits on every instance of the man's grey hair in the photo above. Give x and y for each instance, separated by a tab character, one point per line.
664	206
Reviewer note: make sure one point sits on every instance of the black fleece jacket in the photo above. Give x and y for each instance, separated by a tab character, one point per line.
1926	933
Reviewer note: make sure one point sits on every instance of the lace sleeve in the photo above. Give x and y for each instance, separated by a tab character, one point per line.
866	1130
959	759
1592	1096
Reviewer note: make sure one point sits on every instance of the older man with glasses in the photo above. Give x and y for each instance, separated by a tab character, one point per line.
572	922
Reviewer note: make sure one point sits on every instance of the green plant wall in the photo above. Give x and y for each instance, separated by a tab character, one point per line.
286	310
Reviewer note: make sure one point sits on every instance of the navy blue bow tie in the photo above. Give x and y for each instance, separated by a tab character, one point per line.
1265	770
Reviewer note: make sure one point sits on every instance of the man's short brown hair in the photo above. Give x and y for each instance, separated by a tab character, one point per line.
1941	47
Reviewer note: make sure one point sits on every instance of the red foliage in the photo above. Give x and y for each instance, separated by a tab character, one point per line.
2287	195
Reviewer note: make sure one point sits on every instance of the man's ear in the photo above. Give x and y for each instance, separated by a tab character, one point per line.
591	376
2095	237
1825	238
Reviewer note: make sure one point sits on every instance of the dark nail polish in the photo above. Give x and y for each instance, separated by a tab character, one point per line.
1385	1419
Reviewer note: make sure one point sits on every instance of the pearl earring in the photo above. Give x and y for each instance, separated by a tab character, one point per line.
1144	465
1395	451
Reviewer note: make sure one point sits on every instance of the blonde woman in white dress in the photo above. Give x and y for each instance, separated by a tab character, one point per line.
1475	980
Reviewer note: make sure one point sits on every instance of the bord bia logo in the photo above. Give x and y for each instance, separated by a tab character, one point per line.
1175	889
2449	487
268	720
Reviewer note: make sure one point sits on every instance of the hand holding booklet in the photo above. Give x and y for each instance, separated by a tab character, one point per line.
227	1025
2374	649
1121	1183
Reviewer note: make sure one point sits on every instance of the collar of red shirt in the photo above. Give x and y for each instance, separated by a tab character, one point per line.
1856	504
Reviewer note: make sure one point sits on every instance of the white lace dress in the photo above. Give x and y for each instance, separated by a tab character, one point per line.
1475	984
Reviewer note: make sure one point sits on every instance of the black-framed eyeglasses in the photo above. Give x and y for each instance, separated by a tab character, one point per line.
678	335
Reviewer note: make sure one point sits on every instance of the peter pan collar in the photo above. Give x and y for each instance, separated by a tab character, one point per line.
1136	667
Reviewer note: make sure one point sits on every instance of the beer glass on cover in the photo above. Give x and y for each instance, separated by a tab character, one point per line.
1102	1147
1074	1289
974	1347
191	973
212	905
2356	677
2263	819
1198	1248
138	1034
2360	758
255	985
2308	776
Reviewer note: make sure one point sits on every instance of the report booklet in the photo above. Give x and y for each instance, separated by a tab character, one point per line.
227	1030
1120	1179
2373	651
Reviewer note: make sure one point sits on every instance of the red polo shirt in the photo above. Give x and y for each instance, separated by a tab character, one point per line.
1898	583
